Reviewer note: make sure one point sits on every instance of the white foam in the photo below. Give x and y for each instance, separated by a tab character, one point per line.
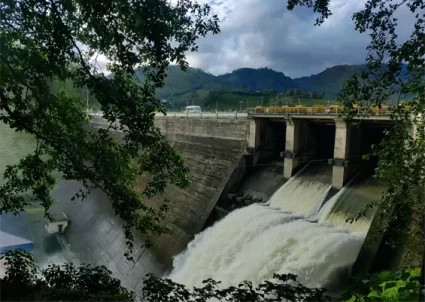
255	242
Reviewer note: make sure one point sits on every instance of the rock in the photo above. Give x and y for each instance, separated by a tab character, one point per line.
239	199
256	200
248	197
231	196
221	212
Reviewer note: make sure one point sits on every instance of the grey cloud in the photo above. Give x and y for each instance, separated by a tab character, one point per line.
259	33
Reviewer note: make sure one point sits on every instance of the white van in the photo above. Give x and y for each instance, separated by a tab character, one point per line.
193	109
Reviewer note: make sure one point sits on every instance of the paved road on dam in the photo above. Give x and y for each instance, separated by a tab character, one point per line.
206	115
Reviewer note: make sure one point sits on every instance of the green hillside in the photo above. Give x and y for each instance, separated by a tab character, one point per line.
259	79
329	81
181	86
242	86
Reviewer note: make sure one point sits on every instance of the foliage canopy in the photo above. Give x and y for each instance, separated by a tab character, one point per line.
60	40
24	281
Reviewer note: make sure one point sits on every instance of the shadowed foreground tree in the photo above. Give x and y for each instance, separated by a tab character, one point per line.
42	41
24	281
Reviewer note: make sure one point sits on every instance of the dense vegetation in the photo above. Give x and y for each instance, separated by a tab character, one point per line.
25	281
250	86
329	81
259	79
241	87
52	43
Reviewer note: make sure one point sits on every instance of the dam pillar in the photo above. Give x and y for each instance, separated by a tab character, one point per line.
298	145
291	147
254	140
341	150
348	150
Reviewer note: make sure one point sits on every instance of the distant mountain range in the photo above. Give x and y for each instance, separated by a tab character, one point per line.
195	83
250	86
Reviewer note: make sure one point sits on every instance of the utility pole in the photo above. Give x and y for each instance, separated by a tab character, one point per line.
216	106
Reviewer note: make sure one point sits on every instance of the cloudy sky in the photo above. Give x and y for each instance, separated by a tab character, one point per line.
260	33
263	33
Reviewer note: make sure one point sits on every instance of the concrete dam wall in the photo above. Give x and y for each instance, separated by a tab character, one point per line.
212	149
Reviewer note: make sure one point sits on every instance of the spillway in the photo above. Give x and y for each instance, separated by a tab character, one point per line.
304	192
255	242
350	200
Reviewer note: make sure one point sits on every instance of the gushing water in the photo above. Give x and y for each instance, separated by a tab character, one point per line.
349	201
255	242
302	193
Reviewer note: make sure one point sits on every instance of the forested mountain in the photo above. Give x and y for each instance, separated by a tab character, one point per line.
246	85
328	81
250	86
259	79
192	83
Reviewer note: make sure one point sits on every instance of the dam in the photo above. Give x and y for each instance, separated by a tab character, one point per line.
303	172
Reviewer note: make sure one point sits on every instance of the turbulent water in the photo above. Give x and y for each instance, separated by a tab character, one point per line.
349	201
303	193
255	242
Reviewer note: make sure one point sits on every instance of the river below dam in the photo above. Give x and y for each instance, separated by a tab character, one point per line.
301	230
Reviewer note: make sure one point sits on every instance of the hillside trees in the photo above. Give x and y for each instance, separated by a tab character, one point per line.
59	40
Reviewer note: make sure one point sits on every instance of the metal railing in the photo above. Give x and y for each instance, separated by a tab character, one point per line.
234	114
298	110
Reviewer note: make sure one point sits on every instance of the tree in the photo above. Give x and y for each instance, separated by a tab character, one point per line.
213	96
394	68
59	40
24	281
194	98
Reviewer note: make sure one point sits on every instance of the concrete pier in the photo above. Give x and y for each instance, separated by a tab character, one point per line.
299	145
254	139
292	146
341	153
